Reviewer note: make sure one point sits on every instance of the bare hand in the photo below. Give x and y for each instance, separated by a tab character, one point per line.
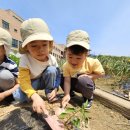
38	104
65	100
2	96
52	95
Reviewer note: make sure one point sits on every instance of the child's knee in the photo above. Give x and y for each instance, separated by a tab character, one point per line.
86	82
7	81
18	95
50	71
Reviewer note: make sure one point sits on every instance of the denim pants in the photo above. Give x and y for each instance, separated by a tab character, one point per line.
49	80
7	79
83	85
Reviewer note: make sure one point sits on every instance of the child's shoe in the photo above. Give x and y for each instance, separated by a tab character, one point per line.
88	103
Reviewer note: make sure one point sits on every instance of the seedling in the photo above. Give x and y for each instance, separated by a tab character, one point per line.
75	118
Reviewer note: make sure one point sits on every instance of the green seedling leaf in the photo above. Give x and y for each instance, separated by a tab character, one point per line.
76	122
62	115
69	110
85	104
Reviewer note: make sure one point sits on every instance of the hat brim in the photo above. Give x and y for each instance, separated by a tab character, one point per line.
2	43
22	50
83	44
37	36
7	49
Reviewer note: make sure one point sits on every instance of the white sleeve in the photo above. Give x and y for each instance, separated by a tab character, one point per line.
53	60
23	61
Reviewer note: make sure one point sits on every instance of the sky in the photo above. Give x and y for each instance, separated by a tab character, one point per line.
106	21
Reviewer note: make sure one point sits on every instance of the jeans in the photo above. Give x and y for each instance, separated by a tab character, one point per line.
49	80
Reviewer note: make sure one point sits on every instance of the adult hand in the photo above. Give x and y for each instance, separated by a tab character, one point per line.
38	104
65	100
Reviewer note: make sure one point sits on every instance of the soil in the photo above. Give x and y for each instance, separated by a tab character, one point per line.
100	117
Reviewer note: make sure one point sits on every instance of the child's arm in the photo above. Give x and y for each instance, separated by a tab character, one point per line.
97	70
25	84
66	98
7	93
67	85
94	76
38	104
25	81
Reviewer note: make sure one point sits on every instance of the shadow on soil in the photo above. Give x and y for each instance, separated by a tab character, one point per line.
24	119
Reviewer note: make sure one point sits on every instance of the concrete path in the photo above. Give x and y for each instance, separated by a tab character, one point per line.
114	102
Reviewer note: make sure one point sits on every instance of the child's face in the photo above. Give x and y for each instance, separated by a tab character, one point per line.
39	50
2	53
75	60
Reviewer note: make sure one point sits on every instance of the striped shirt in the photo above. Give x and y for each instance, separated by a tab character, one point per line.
10	65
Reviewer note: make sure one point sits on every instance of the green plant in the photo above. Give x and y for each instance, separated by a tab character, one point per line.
60	63
118	68
75	118
14	58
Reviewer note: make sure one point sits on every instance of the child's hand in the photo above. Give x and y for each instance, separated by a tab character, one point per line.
2	96
65	101
52	95
38	104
